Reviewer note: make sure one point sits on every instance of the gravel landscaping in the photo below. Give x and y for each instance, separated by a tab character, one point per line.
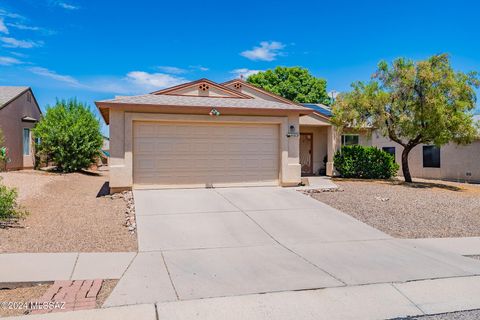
462	315
419	210
67	214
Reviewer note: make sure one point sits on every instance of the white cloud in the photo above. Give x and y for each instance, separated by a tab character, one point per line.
172	70
11	15
244	72
135	82
14	43
67	6
18	54
3	27
199	67
23	27
153	80
267	51
44	72
8	61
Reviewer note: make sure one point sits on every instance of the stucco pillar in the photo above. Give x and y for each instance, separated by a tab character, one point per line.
292	168
330	150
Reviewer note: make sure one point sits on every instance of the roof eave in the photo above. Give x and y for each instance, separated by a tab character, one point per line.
15	97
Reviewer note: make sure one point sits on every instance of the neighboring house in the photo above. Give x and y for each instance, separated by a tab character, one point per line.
19	111
203	134
448	162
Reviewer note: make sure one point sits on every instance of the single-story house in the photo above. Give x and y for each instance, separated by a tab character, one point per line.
201	134
207	134
19	111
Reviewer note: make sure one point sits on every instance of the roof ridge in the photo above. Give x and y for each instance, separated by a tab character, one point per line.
191	83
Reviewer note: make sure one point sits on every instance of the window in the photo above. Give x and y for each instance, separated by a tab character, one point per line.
349	139
431	157
390	150
26	142
29	97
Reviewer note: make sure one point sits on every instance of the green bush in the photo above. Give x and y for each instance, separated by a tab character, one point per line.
69	135
9	208
365	162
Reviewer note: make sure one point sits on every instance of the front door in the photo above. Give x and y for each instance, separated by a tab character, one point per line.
306	154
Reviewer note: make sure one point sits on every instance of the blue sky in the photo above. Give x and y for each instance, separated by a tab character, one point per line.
98	49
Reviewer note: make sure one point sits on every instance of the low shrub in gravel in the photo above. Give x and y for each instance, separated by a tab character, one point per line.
365	163
9	208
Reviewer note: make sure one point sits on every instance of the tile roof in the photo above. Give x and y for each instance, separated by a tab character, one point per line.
320	108
7	94
196	101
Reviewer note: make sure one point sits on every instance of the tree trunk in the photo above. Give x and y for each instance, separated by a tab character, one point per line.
405	169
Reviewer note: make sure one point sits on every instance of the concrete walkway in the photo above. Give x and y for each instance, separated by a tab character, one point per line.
207	243
318	183
375	301
468	246
38	267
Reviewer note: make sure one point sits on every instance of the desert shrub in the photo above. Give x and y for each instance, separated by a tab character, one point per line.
69	135
9	208
365	162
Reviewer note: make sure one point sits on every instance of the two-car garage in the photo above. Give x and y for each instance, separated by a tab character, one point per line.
205	154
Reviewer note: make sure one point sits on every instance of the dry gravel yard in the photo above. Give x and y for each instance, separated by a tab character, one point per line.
419	210
66	215
462	315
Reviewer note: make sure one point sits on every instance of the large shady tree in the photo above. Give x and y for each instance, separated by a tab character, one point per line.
412	103
293	83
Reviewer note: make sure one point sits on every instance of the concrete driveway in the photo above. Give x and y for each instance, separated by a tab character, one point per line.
201	243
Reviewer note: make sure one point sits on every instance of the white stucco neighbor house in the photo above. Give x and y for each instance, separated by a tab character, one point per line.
207	134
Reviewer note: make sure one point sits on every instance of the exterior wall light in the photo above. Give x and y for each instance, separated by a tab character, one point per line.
292	132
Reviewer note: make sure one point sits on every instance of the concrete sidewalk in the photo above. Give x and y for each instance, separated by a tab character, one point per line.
468	246
38	267
140	312
375	301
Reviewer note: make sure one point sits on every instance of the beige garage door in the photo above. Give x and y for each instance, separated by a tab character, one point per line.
199	154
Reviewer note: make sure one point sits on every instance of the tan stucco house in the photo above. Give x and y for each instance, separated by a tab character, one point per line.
19	111
202	134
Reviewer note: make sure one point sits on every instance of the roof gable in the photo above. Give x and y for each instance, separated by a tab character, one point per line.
8	94
202	88
239	85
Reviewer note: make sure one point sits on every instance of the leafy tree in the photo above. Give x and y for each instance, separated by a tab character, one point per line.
293	83
413	103
69	135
